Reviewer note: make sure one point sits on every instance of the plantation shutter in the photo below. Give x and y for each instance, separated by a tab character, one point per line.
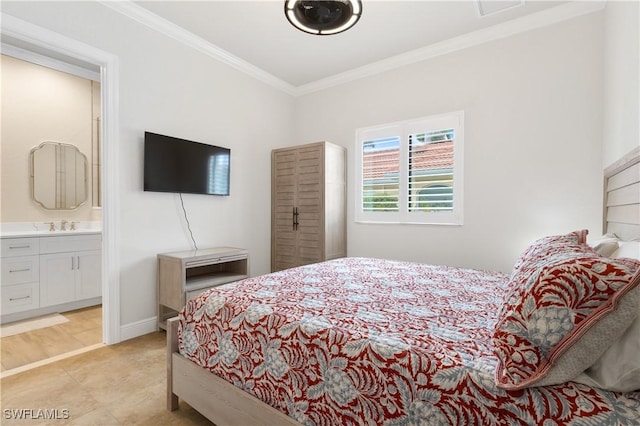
380	174
430	171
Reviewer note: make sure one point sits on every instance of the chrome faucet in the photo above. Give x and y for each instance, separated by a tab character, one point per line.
63	225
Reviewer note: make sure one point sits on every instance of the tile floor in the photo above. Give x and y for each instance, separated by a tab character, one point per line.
83	329
121	384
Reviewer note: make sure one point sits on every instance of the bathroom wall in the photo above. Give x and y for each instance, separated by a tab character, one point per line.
40	104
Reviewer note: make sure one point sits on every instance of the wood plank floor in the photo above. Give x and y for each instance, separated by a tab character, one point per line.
121	384
83	329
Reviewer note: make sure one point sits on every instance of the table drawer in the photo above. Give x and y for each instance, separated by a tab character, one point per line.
20	297
12	247
20	270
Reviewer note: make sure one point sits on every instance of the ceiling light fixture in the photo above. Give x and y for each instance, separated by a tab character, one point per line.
323	17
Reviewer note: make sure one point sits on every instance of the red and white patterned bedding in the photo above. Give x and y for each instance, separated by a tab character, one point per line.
359	341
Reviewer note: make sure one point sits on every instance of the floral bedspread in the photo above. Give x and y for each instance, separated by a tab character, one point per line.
359	341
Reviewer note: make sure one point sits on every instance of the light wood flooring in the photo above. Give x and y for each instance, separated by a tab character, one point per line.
83	329
121	384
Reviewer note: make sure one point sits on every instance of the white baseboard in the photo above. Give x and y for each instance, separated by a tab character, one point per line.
138	328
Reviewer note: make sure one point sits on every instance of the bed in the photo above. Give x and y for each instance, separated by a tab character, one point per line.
374	341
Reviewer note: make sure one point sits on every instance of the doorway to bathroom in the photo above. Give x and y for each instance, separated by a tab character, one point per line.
50	199
35	39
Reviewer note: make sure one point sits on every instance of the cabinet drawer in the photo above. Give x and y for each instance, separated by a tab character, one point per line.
20	246
67	243
20	270
20	297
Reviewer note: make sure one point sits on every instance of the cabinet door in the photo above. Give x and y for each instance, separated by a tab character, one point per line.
283	196
310	205
88	274
57	278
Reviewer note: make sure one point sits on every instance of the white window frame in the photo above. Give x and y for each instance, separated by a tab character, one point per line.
451	120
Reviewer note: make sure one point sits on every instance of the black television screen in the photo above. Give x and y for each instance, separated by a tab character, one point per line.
178	165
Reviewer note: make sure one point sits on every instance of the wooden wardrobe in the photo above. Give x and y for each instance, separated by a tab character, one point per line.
308	204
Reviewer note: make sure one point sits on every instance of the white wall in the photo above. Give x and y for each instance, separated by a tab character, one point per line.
621	126
533	159
168	88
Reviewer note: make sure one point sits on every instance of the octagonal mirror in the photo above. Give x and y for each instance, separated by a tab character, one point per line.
58	176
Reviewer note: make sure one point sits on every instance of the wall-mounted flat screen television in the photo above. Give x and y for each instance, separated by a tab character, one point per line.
183	166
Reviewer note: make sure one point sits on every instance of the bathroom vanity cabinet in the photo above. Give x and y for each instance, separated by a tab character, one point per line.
52	273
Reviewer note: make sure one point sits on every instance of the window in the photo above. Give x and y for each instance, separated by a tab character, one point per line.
411	172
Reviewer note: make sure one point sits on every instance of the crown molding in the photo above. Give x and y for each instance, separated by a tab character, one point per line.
526	23
541	19
157	23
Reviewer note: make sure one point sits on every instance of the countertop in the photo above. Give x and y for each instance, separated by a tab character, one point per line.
34	233
29	229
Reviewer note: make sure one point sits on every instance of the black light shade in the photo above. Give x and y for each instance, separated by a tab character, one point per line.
323	17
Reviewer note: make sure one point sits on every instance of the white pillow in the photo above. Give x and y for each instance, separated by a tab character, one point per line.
618	369
630	249
605	245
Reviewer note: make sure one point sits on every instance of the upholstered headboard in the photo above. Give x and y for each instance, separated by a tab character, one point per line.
622	197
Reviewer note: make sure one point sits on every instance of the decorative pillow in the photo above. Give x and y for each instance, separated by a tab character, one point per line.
567	305
548	246
544	248
618	369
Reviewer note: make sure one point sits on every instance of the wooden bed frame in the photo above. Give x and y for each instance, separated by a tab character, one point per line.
225	404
